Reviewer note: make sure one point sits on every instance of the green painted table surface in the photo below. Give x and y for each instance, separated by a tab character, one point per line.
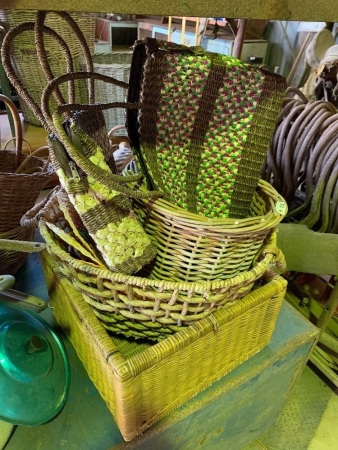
230	414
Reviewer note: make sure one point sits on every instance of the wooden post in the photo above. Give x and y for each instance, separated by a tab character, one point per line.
239	38
169	27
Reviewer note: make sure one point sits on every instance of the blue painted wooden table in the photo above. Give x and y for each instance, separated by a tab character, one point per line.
230	414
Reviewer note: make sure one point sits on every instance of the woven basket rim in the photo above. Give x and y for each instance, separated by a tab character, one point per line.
234	225
139	281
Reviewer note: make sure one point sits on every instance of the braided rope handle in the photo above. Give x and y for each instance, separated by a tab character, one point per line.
111	181
40	29
9	68
43	58
69	107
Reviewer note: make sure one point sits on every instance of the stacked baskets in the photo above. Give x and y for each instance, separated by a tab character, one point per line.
209	273
152	304
143	382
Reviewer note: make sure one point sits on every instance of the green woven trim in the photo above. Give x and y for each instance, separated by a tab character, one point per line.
77	185
81	140
136	263
257	144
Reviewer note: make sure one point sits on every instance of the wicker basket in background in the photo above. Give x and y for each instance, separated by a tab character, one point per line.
24	53
12	260
22	178
115	64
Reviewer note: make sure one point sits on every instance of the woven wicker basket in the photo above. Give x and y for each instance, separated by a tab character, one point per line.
22	177
141	307
117	65
24	52
191	247
141	383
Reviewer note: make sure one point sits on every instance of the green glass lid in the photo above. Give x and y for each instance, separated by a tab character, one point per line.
34	368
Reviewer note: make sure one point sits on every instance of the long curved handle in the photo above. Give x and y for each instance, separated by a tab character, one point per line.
43	58
55	83
11	73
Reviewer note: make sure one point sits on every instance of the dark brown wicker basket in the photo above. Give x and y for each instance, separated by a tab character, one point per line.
22	177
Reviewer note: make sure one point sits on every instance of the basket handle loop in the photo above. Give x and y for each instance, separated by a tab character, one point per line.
270	247
11	73
15	79
39	211
54	84
43	58
17	128
111	181
32	154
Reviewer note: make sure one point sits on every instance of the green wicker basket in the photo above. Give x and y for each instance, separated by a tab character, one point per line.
191	247
142	382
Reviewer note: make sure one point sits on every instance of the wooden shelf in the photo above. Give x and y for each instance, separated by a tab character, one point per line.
303	10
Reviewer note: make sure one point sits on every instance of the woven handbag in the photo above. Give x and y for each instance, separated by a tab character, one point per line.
79	153
100	197
204	124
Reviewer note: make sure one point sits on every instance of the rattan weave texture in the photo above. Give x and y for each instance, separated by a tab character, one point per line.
191	247
115	64
139	306
22	177
140	382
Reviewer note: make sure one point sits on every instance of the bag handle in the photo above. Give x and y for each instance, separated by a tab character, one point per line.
39	28
11	73
111	181
69	107
17	127
43	58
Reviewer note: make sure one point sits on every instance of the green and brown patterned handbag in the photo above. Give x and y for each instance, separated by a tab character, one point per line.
204	124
